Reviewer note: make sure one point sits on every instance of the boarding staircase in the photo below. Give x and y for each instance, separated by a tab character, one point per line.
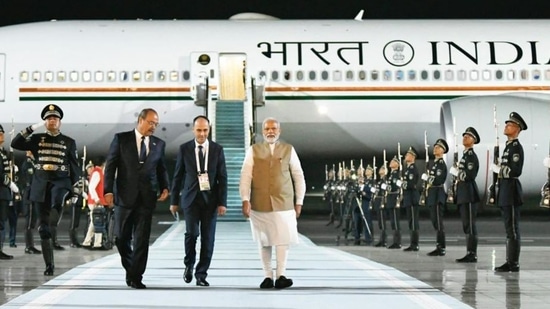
230	132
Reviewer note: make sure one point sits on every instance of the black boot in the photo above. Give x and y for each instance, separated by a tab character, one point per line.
382	242
512	257
440	247
330	219
471	250
414	242
74	239
396	240
4	256
56	245
47	253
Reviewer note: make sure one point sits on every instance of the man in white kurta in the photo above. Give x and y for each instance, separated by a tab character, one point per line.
272	189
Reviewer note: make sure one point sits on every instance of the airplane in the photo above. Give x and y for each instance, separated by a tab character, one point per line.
342	89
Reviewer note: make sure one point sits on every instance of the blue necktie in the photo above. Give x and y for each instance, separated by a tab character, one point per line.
201	159
142	151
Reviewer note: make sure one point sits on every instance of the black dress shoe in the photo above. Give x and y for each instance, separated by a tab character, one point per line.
468	258
411	248
76	245
188	274
395	246
58	247
49	270
267	284
437	252
32	250
283	282
13	245
138	285
507	267
202	282
380	244
356	242
4	256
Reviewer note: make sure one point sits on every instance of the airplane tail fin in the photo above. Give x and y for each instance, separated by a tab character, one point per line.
359	15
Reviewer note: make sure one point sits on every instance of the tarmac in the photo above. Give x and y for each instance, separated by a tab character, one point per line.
328	272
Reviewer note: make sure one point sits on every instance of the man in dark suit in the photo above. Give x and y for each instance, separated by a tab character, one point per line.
201	177
135	167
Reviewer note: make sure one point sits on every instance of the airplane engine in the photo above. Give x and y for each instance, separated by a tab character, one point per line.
477	112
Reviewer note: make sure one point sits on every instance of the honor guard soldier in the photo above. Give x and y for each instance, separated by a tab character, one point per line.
380	205
7	187
362	218
30	211
56	173
467	195
510	194
411	196
330	194
392	202
436	196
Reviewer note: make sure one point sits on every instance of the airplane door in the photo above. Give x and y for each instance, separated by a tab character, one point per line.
232	77
2	77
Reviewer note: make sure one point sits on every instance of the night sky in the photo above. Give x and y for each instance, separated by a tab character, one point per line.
20	11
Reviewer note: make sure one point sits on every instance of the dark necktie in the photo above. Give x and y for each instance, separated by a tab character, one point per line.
142	151
201	159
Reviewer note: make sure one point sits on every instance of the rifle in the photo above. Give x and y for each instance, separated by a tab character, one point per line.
83	177
491	199
400	195
13	177
383	202
545	191
374	172
424	194
451	196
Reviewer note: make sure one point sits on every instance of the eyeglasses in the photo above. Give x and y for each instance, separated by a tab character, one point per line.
152	123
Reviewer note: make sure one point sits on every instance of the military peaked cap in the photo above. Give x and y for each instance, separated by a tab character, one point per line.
443	144
412	151
473	133
516	118
52	110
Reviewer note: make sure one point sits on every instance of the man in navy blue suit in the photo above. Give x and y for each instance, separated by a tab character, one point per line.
201	178
135	166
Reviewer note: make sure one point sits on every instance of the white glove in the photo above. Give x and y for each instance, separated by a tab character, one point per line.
373	190
84	195
37	125
399	183
74	199
495	168
14	187
383	186
454	171
15	168
424	177
546	162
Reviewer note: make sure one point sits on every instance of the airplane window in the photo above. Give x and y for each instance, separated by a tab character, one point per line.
412	75
73	76
362	75
337	75
98	76
262	74
511	74
474	75
123	76
111	76
437	75
48	76
312	75
449	75
24	76
499	75
86	76
524	74
424	75
61	76
461	75
287	75
374	75
486	74
399	75
212	74
349	75
547	74
36	76
324	75
174	76
186	75
387	75
161	76
274	75
148	76
136	76
300	75
536	74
